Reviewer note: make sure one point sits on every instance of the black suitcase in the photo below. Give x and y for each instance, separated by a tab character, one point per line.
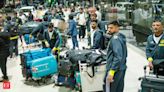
152	84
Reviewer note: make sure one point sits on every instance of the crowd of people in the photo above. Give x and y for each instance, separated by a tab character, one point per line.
83	24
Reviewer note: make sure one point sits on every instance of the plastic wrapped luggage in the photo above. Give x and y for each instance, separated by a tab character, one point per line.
44	66
28	57
29	40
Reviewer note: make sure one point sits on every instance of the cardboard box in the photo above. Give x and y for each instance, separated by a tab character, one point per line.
60	24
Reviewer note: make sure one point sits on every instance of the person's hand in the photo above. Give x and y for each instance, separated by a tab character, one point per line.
30	36
110	78
47	44
150	65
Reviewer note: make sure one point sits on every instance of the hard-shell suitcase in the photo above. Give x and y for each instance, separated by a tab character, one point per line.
152	84
44	66
35	54
28	57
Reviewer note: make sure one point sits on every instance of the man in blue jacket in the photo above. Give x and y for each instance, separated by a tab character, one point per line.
72	31
97	39
155	43
116	59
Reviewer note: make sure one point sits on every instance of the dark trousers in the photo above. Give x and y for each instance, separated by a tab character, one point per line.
89	40
3	61
81	31
13	47
118	84
75	42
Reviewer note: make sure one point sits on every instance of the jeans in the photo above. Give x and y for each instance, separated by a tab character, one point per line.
75	42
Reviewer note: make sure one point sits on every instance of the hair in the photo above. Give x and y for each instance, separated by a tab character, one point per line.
50	25
94	14
70	16
45	18
94	21
158	20
97	8
115	22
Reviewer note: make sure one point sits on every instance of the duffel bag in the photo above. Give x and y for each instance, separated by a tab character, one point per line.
78	55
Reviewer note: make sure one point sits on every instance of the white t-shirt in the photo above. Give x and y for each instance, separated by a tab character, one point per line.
82	20
50	34
92	36
157	39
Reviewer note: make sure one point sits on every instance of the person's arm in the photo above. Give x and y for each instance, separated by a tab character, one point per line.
117	56
96	43
36	30
148	51
70	29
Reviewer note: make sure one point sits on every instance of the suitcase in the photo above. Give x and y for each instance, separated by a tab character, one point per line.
28	57
66	81
44	66
29	40
152	84
78	81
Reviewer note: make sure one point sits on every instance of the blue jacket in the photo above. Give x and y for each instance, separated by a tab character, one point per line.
98	40
72	28
156	51
54	41
116	53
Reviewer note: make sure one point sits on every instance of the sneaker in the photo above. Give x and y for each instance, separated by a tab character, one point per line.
4	79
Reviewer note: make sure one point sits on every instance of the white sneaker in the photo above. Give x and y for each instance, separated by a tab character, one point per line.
76	48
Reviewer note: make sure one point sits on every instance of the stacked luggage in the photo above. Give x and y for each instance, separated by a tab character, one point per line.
81	69
38	63
154	82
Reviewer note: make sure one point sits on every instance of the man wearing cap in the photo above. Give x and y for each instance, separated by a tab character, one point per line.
155	43
116	59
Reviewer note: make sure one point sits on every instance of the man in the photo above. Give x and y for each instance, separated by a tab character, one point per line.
52	37
4	53
72	31
97	39
81	23
116	59
39	30
16	23
155	43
